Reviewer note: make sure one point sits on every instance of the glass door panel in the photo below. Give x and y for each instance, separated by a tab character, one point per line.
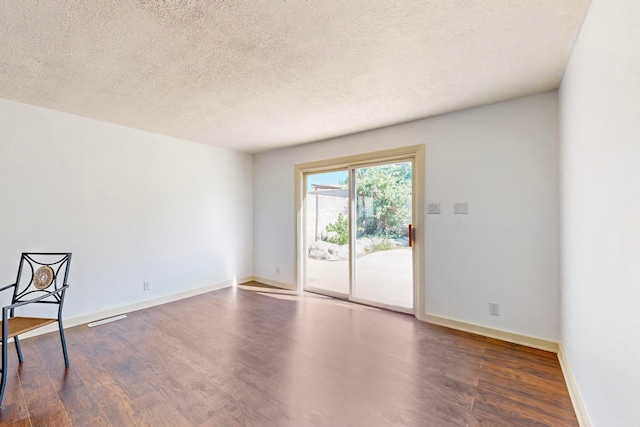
327	233
383	254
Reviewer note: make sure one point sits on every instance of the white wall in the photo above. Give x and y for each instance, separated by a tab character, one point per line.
130	205
503	160
600	184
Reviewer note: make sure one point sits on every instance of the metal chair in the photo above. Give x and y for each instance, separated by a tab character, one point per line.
42	279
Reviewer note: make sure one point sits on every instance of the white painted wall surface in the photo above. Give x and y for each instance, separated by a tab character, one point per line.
503	160
600	184
130	205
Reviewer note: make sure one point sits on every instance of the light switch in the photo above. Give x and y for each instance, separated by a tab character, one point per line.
460	208
433	208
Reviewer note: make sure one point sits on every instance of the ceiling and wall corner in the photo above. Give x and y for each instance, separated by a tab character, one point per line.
252	76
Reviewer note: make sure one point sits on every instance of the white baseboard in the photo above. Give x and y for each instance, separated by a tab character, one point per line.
578	405
275	283
98	315
499	334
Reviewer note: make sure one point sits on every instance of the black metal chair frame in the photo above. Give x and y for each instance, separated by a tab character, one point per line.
32	294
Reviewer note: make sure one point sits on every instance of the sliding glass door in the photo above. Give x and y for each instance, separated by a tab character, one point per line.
358	243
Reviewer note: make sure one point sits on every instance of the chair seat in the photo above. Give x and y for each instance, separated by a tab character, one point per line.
20	325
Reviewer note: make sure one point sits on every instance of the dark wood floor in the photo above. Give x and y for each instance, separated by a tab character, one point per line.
236	357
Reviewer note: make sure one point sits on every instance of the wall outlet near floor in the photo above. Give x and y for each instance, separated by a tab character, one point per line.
277	270
146	286
494	309
433	208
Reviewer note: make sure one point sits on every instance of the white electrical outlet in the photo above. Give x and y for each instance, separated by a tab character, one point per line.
494	309
146	286
277	270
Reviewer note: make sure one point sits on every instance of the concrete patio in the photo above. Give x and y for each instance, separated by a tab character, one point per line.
381	277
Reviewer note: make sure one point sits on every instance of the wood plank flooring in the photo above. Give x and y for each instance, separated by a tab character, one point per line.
238	357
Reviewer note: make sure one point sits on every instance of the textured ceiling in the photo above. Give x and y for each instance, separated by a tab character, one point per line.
255	75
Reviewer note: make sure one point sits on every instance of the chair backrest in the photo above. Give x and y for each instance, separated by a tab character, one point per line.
40	274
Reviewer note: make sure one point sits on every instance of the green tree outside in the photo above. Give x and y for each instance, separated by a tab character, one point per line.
383	195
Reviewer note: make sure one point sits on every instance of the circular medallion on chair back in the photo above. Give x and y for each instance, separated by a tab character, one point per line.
43	277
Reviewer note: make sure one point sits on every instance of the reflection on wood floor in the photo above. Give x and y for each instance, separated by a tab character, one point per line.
240	357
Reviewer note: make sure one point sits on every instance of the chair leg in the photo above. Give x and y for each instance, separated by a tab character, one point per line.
3	381
64	344
18	348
